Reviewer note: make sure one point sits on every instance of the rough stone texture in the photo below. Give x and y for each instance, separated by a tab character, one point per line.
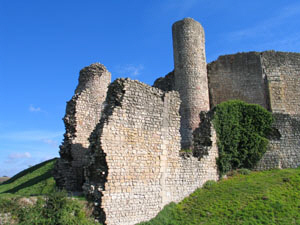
190	75
135	167
282	70
166	83
134	138
284	151
270	79
238	76
82	114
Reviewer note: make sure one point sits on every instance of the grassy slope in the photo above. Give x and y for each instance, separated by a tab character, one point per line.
35	180
269	197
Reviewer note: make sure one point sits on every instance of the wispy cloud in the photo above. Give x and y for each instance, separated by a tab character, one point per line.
264	28
35	109
18	155
31	135
130	70
51	142
179	6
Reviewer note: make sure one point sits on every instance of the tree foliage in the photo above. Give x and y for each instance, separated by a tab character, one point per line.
241	129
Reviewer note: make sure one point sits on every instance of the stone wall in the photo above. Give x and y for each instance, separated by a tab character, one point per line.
166	83
284	148
237	76
135	166
190	75
82	114
270	79
282	70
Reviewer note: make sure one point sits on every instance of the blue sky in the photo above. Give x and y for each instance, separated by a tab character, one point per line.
44	44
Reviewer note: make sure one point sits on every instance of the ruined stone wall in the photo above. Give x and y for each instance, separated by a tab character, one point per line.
190	75
237	76
282	70
135	167
284	148
166	83
82	114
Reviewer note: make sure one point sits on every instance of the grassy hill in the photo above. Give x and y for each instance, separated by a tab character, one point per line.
36	180
269	197
48	206
2	179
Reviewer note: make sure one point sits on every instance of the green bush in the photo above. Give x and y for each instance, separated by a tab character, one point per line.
56	208
241	130
244	171
209	184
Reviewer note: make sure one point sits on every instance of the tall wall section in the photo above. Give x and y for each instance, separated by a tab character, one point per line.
282	70
82	114
238	76
135	166
190	75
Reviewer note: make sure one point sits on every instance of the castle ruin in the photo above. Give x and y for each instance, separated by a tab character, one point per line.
123	142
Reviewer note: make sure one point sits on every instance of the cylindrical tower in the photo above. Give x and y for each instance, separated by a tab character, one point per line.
190	75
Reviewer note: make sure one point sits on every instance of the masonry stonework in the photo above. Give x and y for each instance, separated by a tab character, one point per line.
124	141
190	75
282	70
284	149
238	76
135	163
82	114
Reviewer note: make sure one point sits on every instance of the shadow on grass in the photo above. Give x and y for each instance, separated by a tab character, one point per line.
30	182
27	171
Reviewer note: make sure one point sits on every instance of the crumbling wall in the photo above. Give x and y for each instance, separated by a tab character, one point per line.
237	76
82	114
284	148
282	70
166	83
135	166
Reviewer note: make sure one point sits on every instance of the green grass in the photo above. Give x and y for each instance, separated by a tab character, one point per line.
51	206
36	180
269	197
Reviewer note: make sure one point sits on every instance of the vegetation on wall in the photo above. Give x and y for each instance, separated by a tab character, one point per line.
242	131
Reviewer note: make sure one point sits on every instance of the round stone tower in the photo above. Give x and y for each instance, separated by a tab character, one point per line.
190	75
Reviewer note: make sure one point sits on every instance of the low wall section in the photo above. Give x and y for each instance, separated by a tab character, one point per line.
284	149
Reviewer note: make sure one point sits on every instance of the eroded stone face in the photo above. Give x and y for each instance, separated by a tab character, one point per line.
128	137
284	150
135	167
239	76
83	112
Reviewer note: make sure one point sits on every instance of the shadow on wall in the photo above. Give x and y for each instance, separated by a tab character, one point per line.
202	137
96	172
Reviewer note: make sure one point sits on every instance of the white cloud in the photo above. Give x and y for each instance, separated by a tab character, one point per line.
51	142
264	28
181	7
31	135
17	155
130	70
34	109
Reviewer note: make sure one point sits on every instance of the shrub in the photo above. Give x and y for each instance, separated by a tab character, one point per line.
209	184
56	208
241	130
244	171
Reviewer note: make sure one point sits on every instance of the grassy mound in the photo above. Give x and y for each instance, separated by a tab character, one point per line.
31	197
269	197
36	180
